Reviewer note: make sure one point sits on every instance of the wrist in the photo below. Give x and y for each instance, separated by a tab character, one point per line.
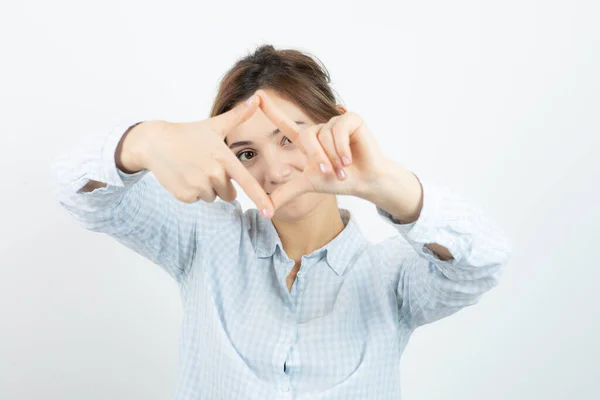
130	155
372	188
397	191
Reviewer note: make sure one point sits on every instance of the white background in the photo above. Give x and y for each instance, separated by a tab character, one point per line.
497	100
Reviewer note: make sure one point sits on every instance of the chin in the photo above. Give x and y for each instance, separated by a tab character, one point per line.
299	207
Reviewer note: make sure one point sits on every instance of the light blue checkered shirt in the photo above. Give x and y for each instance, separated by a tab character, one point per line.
341	330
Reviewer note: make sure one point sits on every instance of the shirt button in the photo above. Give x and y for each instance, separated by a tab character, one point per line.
288	341
285	388
299	274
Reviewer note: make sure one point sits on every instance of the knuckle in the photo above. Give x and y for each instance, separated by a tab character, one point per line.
229	195
186	196
215	174
323	130
321	138
219	158
317	129
337	131
206	195
307	142
179	196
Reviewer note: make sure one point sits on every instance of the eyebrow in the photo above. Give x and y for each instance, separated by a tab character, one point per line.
249	142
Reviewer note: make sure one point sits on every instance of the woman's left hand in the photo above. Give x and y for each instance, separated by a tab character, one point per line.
343	156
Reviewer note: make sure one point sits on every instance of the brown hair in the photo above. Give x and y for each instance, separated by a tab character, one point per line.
295	76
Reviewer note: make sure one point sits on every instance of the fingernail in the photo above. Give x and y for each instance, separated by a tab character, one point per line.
266	213
323	168
250	101
341	173
346	160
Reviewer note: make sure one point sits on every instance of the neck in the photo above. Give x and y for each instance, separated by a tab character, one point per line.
312	231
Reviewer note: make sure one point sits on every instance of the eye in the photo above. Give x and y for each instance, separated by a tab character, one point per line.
246	155
286	138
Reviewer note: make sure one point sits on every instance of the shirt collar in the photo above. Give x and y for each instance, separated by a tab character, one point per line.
340	251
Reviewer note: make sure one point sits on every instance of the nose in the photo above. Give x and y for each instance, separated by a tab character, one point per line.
278	168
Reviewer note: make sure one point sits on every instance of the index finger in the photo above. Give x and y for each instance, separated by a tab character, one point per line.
223	123
236	171
279	118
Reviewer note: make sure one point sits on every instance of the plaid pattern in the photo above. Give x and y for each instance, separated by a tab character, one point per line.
341	330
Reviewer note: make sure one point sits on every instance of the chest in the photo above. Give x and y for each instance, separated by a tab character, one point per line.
326	327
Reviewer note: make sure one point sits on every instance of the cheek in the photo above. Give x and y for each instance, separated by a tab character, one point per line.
259	171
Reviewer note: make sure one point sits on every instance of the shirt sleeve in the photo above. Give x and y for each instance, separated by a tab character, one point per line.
428	288
134	209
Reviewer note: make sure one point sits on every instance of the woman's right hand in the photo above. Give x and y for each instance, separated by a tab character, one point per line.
192	161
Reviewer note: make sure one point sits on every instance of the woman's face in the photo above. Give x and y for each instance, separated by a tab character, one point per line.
272	158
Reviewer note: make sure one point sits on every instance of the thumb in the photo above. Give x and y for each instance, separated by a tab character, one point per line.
227	121
290	191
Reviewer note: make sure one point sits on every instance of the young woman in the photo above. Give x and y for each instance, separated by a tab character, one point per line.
288	300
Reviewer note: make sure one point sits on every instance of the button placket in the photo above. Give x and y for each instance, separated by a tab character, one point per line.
306	264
